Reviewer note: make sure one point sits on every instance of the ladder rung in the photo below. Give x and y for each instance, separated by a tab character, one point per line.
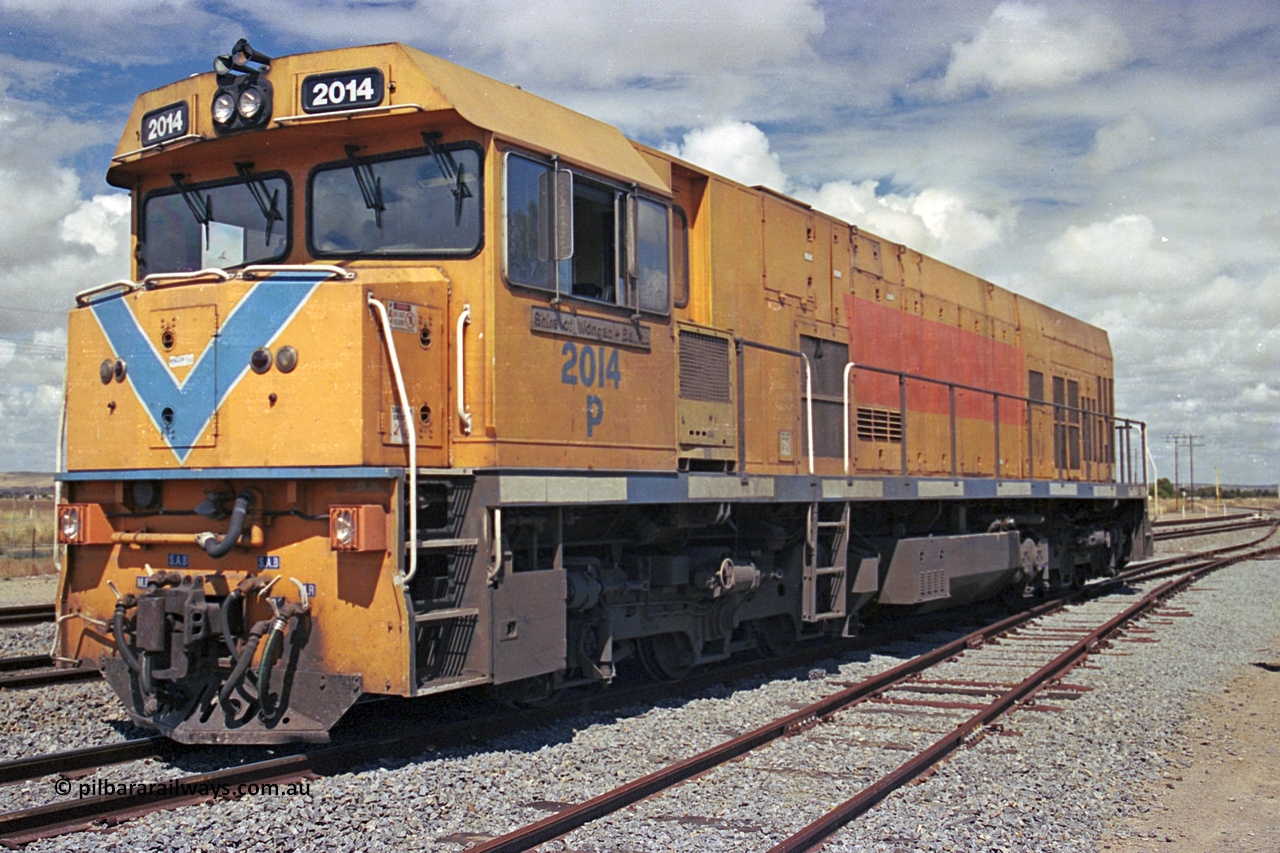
444	615
443	544
830	570
831	524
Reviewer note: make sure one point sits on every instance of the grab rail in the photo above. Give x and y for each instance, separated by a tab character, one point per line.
82	298
351	113
464	416
411	434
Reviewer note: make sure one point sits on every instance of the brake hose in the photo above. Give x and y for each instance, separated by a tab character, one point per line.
117	631
242	665
215	547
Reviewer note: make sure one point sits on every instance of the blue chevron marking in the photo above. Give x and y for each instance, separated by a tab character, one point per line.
255	321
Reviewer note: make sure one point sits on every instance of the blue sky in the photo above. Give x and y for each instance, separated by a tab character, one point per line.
1113	159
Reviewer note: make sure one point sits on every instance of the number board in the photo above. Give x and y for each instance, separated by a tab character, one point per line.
343	90
165	124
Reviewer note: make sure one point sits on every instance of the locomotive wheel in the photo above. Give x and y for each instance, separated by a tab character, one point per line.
666	656
775	636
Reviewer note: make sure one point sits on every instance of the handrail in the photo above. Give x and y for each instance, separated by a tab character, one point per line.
351	113
82	298
157	146
464	416
155	278
268	269
739	344
247	273
1117	423
411	434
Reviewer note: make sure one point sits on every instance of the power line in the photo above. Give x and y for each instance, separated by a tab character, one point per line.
34	310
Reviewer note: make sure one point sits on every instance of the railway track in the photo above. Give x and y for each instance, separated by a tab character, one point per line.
1208	519
1205	529
1047	651
895	687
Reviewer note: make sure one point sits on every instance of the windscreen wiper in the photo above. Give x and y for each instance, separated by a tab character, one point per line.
201	205
267	201
370	185
450	169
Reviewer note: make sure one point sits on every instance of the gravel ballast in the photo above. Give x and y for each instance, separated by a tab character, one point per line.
1059	783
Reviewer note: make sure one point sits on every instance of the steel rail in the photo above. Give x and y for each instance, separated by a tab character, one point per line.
85	758
1208	519
22	662
42	677
26	614
1184	533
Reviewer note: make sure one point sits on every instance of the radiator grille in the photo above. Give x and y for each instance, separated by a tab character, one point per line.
879	425
704	368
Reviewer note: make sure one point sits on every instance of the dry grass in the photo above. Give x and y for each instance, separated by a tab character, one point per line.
1202	507
11	567
26	537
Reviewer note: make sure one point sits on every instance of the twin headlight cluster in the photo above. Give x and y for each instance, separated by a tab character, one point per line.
243	99
245	104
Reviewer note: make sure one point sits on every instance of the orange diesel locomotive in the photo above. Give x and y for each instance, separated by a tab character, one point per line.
425	383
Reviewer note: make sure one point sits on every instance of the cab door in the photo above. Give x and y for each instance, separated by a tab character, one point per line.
419	324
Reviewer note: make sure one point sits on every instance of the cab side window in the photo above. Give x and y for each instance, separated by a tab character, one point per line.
578	236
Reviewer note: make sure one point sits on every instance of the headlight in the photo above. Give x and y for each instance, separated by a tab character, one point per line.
224	107
250	103
343	528
106	370
68	524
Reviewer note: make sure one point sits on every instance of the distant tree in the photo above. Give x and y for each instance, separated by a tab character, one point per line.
1163	488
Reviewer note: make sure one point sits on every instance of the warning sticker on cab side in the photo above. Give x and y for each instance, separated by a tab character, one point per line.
403	317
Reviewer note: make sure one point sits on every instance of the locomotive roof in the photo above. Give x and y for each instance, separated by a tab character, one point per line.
434	84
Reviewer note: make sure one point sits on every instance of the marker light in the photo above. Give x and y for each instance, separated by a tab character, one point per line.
342	528
357	528
68	524
260	360
286	359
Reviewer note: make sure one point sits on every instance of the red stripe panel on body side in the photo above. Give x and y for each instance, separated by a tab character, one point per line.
888	338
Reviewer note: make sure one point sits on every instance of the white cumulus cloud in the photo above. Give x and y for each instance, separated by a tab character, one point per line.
735	149
1034	47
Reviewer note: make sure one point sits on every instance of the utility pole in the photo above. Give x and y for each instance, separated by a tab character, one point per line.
1188	441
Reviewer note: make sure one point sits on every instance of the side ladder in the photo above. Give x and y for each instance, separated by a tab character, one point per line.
444	622
824	593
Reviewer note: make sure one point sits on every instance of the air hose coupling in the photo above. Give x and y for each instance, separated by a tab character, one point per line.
215	547
123	605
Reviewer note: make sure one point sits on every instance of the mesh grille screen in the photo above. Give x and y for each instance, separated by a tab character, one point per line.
879	425
704	368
